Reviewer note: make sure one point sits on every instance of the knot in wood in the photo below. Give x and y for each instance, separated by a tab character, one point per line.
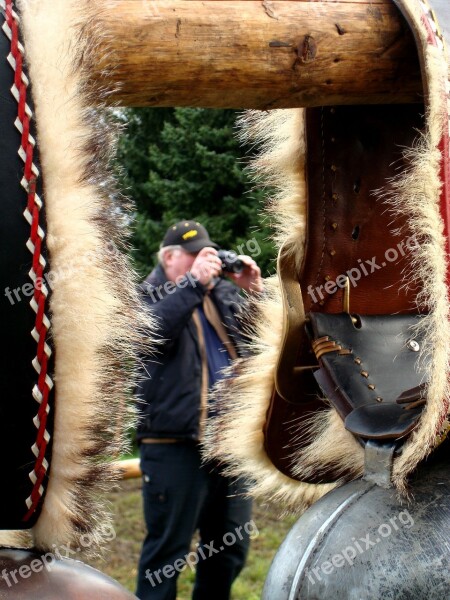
307	50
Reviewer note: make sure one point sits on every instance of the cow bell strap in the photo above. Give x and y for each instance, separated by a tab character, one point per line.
26	407
355	238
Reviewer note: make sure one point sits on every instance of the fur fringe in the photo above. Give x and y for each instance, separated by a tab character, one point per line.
16	539
417	193
245	399
98	322
242	406
279	136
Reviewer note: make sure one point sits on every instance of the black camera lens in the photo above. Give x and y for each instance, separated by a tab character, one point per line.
230	261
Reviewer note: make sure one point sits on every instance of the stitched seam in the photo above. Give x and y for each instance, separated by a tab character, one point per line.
324	208
41	389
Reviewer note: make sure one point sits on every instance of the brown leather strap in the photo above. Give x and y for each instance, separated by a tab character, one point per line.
352	151
213	317
289	378
204	390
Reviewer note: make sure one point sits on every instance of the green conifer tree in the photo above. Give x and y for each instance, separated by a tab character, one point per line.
186	163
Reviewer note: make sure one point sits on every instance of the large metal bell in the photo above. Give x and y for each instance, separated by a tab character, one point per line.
28	575
361	542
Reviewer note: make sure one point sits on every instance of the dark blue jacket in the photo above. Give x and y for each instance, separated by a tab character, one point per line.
171	388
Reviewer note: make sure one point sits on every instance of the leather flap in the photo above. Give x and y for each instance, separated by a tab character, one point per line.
382	421
370	371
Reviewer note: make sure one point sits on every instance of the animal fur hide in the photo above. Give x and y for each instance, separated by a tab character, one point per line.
98	325
237	436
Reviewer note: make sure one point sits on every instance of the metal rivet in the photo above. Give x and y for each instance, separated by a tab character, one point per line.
333	168
334	225
335	197
358	361
364	373
371	386
332	252
327	277
378	399
413	345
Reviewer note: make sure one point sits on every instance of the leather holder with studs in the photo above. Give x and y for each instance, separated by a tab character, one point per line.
368	370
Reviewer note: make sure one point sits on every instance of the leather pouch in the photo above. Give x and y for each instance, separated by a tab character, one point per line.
369	370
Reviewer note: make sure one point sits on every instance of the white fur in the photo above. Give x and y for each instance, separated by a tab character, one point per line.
94	312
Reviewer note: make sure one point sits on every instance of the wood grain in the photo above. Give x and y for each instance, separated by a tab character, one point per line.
259	54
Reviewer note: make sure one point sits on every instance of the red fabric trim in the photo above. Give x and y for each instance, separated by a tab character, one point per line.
431	36
39	296
444	205
444	147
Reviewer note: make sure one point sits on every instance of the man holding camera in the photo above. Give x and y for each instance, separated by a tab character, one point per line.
197	314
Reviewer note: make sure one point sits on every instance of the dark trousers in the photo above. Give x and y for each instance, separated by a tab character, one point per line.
181	495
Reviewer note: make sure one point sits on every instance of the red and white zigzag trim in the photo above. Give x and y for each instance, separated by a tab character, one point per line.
436	38
44	383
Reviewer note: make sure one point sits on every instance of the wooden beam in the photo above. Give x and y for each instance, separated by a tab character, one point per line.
260	54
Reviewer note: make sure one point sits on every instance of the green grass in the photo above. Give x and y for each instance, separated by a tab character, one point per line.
122	554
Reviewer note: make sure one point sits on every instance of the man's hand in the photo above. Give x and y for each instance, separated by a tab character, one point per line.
249	278
206	266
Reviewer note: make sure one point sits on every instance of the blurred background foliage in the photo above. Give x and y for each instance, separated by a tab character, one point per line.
186	163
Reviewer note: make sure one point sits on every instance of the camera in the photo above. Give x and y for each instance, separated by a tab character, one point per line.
230	261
